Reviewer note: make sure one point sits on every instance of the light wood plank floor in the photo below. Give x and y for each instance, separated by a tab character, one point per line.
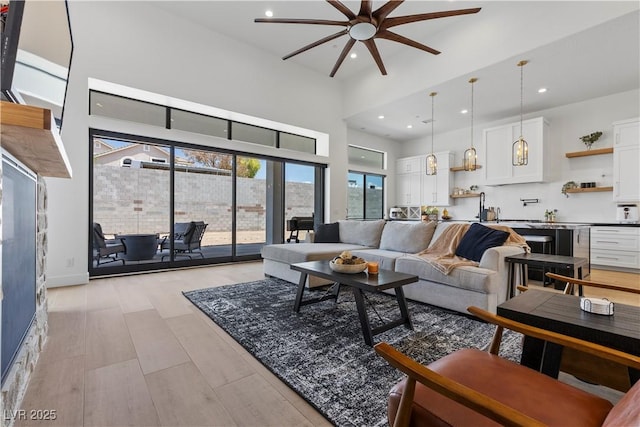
133	351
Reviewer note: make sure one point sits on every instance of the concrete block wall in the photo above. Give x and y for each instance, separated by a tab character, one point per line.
136	200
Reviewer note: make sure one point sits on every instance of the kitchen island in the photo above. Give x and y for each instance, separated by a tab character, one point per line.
569	239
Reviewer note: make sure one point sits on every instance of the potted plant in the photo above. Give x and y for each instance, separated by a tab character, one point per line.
431	212
568	186
590	139
550	215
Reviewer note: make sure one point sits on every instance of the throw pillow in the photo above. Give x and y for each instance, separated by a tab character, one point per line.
408	238
327	233
478	239
364	233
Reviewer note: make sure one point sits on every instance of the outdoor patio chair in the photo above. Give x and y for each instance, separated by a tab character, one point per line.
106	249
187	238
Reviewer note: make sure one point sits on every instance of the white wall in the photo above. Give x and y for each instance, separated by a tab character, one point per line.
566	124
140	46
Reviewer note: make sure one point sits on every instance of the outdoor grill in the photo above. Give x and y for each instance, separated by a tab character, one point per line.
297	223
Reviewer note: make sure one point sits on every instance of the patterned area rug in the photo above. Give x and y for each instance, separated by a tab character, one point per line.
320	352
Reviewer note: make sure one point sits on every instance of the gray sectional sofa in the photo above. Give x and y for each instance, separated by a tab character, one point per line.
396	245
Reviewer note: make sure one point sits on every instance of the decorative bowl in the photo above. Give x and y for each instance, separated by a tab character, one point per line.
348	268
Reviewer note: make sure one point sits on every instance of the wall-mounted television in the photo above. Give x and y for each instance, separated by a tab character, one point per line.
36	53
10	22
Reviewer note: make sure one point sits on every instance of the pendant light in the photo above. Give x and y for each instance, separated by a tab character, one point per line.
520	149
470	161
432	161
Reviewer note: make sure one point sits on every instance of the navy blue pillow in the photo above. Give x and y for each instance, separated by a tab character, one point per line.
327	233
478	239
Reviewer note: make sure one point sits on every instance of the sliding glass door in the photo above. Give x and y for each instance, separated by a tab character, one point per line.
203	195
251	195
157	204
299	198
131	191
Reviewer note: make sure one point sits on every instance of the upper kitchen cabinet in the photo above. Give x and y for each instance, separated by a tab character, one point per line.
626	158
408	165
436	189
498	142
408	181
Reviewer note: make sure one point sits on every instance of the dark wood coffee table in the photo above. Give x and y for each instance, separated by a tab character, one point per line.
359	282
562	313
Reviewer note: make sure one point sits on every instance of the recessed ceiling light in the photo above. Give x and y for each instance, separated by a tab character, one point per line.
542	90
409	126
381	117
268	13
464	111
353	55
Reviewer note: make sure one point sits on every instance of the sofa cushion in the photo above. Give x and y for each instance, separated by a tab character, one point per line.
478	239
365	233
302	252
327	233
385	259
409	238
466	277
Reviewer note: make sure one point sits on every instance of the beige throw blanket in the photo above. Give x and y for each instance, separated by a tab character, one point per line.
442	255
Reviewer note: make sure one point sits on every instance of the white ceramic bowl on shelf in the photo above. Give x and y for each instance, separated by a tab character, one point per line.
348	268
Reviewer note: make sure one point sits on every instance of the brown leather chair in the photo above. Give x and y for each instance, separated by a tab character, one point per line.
471	387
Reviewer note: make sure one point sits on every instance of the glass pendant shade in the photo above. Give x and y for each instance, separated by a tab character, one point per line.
432	162
432	165
520	148
520	152
470	159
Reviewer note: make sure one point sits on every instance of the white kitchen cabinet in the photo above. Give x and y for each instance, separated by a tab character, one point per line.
408	189
409	165
498	142
626	161
615	246
436	189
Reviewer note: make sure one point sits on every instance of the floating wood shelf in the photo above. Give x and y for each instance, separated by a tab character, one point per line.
589	190
29	133
461	168
464	196
608	150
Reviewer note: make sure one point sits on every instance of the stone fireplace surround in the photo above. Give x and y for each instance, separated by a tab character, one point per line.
17	380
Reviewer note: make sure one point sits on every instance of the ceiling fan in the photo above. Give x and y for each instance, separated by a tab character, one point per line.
367	26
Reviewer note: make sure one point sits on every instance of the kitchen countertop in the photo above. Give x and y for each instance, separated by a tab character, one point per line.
523	223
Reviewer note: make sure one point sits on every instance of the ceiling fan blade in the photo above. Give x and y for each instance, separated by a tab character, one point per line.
343	54
400	20
316	43
373	49
342	8
388	35
301	21
365	8
383	11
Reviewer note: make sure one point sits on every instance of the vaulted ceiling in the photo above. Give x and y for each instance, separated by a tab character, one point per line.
577	50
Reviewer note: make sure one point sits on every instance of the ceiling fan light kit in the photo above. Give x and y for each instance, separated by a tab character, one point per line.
470	161
366	26
432	161
520	148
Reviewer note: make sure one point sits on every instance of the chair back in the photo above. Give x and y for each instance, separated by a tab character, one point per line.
198	233
98	237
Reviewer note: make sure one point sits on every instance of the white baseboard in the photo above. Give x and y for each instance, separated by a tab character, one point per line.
75	279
